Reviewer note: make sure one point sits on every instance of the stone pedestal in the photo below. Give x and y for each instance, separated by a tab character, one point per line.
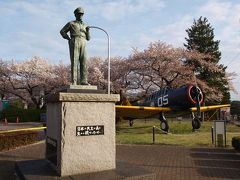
81	132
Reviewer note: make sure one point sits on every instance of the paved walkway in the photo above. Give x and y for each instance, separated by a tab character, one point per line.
183	163
168	162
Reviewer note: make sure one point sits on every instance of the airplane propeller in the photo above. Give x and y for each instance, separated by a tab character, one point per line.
196	123
198	104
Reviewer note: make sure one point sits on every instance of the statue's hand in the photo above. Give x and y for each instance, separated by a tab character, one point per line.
87	28
65	36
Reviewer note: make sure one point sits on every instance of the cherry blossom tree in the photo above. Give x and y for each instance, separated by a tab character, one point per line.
4	83
31	79
160	65
163	65
96	72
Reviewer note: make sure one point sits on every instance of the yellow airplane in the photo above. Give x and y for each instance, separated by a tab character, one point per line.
187	98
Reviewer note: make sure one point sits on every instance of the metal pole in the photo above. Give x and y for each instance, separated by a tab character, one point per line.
108	54
153	134
212	135
215	134
225	134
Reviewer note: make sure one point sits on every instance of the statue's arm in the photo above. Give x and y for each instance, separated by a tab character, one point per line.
65	30
87	33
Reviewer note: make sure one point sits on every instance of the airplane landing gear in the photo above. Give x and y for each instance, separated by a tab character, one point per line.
164	124
131	122
196	122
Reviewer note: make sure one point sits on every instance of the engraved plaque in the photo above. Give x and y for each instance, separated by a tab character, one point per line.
89	130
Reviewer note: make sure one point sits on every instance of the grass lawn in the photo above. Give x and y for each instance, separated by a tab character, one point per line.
180	133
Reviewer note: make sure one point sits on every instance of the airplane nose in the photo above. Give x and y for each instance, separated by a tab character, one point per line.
193	93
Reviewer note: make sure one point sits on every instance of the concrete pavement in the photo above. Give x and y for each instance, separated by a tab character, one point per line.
167	162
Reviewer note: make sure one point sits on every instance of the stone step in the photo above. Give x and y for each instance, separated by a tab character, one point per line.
42	170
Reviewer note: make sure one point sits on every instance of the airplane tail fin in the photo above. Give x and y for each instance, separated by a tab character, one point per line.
123	100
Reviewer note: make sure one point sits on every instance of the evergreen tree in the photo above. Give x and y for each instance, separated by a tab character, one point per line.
201	38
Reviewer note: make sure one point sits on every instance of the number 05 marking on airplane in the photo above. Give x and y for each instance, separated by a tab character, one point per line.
163	100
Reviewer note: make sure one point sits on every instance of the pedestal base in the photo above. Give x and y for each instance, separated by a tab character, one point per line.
81	132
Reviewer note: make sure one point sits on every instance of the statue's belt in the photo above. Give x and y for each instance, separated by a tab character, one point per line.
77	36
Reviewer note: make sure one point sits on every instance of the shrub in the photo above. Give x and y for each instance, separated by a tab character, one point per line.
24	115
236	142
12	140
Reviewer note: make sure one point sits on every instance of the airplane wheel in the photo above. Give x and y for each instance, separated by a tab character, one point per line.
196	124
131	122
164	126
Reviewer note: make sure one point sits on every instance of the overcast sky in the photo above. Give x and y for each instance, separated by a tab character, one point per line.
31	27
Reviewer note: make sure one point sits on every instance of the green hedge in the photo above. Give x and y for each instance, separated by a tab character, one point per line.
12	140
24	115
236	142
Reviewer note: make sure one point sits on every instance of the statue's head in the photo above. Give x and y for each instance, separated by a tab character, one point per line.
79	10
79	13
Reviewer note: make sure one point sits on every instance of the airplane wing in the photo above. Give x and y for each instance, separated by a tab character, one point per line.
207	108
144	112
139	111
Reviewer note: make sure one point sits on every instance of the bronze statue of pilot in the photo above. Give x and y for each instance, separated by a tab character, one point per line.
79	35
